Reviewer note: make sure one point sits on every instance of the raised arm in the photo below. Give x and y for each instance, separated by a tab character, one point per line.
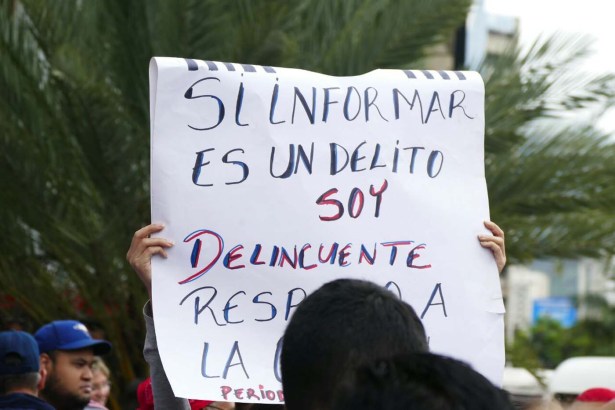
142	249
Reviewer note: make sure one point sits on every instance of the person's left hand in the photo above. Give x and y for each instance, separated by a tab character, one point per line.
496	243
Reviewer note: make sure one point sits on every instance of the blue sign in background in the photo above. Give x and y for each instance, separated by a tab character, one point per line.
560	309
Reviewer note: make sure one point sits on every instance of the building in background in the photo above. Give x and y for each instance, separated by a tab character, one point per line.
523	286
483	34
555	288
487	34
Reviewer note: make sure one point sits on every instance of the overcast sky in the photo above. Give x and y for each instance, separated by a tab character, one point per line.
590	17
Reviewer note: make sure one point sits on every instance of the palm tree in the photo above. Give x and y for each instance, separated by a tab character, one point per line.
548	167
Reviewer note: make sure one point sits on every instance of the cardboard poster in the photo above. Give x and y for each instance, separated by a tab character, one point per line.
273	181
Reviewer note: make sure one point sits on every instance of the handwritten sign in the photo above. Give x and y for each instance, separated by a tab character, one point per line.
273	181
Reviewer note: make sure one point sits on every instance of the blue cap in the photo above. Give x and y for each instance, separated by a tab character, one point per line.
18	353
68	335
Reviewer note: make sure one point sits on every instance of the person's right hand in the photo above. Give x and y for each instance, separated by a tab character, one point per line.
142	248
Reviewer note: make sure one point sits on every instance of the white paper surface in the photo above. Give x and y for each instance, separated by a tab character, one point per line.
220	143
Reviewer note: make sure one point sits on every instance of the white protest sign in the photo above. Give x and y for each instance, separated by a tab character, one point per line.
273	181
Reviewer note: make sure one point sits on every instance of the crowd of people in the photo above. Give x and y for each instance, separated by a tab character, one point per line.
59	367
350	344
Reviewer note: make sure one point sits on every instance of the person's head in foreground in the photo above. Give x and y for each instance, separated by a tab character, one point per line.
344	324
67	354
19	363
420	381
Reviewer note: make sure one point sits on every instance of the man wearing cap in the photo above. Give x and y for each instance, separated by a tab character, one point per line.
67	353
20	373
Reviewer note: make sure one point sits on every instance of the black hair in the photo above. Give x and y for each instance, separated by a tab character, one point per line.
344	324
420	381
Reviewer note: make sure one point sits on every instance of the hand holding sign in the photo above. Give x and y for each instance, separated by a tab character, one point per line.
141	250
495	242
273	181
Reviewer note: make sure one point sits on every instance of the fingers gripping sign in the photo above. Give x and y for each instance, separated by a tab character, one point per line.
495	243
142	248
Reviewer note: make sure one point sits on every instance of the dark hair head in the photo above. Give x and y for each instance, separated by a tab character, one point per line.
342	325
420	381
